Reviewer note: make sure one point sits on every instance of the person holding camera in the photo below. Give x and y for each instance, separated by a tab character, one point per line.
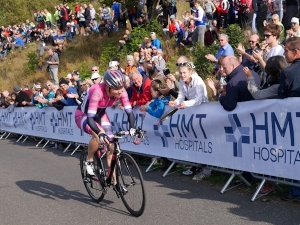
159	64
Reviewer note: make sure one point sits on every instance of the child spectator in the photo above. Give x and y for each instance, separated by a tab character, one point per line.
157	106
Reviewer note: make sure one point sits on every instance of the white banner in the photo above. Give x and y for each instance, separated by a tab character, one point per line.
258	136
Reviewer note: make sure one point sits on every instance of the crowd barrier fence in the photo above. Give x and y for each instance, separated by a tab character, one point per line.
258	136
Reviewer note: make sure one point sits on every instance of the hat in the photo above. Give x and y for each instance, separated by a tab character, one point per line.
95	76
129	57
63	81
69	76
37	86
172	17
113	63
142	15
17	88
152	33
154	47
295	20
75	72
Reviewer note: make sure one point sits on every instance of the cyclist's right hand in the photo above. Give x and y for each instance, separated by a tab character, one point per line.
103	138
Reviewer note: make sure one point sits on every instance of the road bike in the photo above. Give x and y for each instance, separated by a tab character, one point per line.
129	180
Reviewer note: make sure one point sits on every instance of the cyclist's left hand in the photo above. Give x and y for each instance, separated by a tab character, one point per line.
132	132
103	138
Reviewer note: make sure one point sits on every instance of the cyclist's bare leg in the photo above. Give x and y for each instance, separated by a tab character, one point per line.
93	146
109	154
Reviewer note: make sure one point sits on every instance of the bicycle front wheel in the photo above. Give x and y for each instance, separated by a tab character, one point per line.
93	183
131	185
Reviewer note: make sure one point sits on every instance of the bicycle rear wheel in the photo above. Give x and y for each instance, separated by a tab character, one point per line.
93	184
131	185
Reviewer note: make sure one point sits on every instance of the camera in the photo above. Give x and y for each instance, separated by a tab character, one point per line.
166	71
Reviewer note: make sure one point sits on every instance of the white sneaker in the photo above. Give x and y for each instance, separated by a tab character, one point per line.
89	168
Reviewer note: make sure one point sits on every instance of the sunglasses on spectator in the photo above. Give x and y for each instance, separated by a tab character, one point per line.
94	79
82	85
94	70
48	85
251	41
185	64
267	35
293	23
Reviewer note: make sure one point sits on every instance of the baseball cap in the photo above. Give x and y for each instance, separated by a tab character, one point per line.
95	76
129	57
75	72
295	20
152	33
112	63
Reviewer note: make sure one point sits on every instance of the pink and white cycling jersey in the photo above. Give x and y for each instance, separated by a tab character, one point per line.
96	101
91	116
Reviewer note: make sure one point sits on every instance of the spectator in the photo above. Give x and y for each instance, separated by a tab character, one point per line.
210	9
81	20
77	79
294	31
157	106
155	41
225	49
53	62
71	94
198	34
130	65
273	68
48	18
289	78
236	88
85	86
271	34
92	12
291	10
88	18
245	56
116	13
17	43
3	102
39	18
159	64
96	78
141	93
26	90
222	8
59	40
22	98
64	17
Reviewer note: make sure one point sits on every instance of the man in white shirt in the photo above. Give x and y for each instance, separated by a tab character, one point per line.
199	17
294	31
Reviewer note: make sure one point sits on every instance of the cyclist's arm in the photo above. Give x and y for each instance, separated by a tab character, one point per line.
95	97
128	109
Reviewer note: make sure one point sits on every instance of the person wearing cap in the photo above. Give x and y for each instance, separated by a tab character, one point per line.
22	99
53	62
155	41
113	65
37	94
71	93
130	65
159	64
294	31
96	78
77	79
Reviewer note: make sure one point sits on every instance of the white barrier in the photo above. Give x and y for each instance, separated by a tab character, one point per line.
258	136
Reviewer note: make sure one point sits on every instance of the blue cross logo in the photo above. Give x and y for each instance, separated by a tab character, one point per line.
237	134
165	133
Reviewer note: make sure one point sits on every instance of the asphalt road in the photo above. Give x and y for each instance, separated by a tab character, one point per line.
44	186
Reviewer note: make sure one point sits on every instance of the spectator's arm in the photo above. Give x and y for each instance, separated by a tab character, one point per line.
282	89
145	97
156	110
230	100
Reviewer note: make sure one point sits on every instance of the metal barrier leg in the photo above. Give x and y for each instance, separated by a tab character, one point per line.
39	142
19	138
258	190
169	168
244	180
149	167
7	135
67	147
227	184
78	146
3	135
25	139
45	144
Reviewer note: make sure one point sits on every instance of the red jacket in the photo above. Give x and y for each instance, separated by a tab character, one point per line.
144	95
220	10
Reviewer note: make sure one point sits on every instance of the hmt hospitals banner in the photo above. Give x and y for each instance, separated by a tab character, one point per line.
258	136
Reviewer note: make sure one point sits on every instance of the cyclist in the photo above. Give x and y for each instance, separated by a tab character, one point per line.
92	118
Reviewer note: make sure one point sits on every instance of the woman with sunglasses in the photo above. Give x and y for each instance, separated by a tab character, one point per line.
191	88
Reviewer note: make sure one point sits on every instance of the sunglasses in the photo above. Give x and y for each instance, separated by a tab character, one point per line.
94	70
82	85
186	64
267	35
95	79
48	85
293	23
251	41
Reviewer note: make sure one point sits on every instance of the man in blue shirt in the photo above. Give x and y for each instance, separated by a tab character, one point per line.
116	13
154	41
225	49
18	43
